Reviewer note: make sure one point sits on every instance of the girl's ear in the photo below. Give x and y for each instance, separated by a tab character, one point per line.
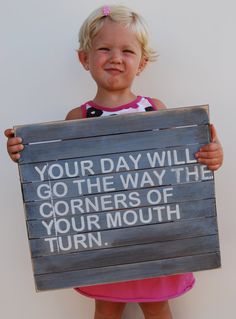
142	65
83	57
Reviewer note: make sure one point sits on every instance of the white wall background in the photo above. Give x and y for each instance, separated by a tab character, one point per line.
41	80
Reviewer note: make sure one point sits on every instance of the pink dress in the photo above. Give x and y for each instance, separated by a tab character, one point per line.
142	290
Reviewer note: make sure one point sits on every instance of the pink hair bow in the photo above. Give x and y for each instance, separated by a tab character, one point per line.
106	11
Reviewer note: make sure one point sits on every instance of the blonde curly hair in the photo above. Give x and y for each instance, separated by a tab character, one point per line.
120	14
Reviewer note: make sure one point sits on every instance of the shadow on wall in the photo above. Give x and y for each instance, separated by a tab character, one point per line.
132	310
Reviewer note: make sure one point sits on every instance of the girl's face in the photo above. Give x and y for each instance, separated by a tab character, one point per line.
115	57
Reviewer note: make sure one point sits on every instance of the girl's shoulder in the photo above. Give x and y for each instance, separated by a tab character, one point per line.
158	103
75	114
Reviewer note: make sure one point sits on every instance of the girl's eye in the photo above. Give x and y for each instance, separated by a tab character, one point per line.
128	51
103	49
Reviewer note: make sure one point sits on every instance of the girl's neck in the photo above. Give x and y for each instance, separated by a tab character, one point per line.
113	99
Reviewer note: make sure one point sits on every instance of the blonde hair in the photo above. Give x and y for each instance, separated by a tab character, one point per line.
120	14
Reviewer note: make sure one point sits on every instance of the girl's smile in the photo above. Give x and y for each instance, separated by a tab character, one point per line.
113	70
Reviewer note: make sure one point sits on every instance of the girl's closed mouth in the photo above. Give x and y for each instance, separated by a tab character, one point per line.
113	70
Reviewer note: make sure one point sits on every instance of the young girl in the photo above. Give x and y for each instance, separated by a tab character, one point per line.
114	49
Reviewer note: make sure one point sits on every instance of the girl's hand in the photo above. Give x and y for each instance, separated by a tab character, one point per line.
14	145
212	153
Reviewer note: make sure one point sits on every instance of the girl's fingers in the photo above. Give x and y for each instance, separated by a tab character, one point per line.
213	133
14	141
210	161
15	157
9	132
209	155
210	147
14	144
15	148
213	167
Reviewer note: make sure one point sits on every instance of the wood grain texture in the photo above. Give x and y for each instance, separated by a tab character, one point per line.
128	254
117	143
125	272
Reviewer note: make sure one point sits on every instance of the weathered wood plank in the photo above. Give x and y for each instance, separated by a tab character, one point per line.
123	237
78	166
125	272
114	144
98	184
103	126
81	223
181	192
129	254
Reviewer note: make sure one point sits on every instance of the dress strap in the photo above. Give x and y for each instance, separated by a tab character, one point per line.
84	110
154	105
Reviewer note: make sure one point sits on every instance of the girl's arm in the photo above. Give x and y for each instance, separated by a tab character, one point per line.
75	114
210	154
159	104
14	144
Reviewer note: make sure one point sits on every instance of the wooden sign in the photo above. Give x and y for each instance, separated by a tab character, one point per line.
118	198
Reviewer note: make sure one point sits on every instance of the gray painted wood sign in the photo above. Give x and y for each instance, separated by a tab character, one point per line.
118	198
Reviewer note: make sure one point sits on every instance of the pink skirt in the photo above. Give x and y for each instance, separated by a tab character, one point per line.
145	290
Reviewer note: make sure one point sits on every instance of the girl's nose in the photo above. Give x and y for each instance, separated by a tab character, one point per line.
116	56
